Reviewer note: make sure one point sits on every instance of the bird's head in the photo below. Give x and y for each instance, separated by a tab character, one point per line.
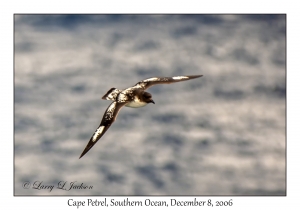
148	98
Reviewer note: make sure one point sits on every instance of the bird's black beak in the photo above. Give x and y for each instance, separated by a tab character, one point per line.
152	101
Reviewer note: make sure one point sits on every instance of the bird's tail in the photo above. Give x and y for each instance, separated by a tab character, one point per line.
111	94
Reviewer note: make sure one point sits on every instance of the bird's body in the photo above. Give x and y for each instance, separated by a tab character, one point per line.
136	104
133	97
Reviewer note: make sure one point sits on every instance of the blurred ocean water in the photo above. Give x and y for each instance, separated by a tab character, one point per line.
221	134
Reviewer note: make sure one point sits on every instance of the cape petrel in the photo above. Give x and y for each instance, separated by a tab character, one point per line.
134	97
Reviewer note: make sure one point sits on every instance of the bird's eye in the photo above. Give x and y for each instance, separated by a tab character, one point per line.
147	95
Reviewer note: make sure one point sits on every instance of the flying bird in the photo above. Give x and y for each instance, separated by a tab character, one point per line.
134	97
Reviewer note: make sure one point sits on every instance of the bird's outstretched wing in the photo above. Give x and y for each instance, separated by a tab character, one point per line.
109	117
144	84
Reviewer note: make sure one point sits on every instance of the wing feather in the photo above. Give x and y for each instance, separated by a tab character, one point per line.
144	84
109	117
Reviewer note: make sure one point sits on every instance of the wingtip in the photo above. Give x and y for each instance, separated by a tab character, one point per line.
88	147
194	76
85	151
81	155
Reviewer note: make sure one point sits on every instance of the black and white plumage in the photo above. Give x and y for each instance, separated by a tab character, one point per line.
134	97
